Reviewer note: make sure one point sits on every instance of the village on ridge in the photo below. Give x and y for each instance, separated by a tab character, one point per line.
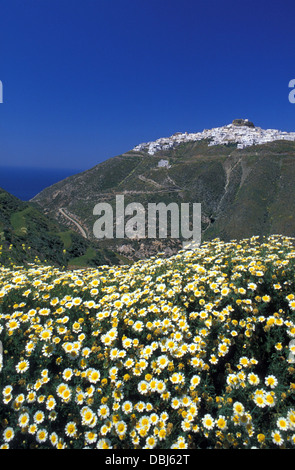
240	131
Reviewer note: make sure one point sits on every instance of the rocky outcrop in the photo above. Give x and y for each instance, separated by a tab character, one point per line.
242	122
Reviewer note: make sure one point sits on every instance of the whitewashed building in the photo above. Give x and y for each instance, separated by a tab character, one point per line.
163	164
242	135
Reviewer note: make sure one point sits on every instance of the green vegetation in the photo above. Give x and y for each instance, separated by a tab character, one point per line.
27	235
242	191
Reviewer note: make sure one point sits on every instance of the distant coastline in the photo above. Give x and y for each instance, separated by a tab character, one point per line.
25	182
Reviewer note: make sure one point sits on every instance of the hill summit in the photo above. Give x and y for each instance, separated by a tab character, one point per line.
241	132
243	177
243	122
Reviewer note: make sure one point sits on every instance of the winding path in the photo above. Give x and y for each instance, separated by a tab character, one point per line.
81	229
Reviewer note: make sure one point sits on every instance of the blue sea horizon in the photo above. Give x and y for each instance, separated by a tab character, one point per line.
25	182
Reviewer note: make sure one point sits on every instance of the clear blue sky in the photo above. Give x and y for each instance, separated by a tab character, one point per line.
85	80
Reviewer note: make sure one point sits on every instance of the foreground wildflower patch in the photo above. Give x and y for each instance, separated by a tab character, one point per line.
194	351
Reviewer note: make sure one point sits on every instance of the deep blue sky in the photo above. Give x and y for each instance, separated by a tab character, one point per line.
85	80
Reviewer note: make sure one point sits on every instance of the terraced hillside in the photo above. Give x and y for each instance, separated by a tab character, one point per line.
243	192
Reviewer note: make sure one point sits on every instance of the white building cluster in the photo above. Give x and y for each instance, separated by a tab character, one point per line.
164	164
242	135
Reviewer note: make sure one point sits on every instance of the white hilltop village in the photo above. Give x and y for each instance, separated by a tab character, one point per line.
240	131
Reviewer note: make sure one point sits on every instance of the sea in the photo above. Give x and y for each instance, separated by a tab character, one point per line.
25	182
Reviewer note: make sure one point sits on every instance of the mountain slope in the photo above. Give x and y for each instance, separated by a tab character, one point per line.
27	234
243	191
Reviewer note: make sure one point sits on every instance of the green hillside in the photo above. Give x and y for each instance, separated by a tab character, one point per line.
27	235
243	192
